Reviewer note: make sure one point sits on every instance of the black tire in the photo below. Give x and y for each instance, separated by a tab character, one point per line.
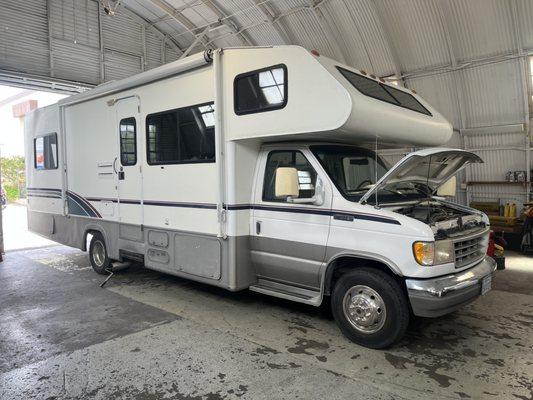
100	264
392	324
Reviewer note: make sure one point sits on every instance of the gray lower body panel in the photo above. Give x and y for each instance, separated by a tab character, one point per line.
201	257
293	263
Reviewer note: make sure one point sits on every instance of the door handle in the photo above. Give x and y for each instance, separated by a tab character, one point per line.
121	174
258	227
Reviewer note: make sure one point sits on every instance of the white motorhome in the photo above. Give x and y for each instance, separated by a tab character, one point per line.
252	168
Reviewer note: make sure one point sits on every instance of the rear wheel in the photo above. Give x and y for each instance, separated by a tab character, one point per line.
370	308
98	254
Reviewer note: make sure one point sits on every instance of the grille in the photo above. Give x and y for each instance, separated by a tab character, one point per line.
470	250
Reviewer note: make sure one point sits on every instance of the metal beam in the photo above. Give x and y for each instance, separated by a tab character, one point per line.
226	20
50	39
526	88
150	26
315	8
390	44
274	20
180	18
101	44
194	44
443	18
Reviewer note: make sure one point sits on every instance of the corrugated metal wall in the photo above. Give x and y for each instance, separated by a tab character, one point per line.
75	40
466	57
24	37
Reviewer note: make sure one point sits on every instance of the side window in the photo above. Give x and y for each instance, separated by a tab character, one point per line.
183	135
45	152
261	90
294	159
128	141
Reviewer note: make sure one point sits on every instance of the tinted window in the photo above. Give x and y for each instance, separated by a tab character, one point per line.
372	88
408	101
262	90
294	159
45	152
368	87
183	135
128	141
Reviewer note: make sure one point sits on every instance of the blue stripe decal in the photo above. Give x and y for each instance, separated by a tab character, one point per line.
44	189
48	196
89	209
315	211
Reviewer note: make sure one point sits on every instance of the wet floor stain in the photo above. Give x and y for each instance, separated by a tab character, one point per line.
304	346
430	371
263	350
495	361
283	366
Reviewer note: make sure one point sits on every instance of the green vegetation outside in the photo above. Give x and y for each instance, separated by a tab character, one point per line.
13	177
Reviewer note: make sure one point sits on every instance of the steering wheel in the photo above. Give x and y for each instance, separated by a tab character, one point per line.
364	182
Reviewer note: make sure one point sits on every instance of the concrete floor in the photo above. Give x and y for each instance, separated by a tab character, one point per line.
151	336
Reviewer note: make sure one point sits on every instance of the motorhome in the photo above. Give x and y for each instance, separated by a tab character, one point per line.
254	168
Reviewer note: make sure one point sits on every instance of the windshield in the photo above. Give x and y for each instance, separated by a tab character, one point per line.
354	170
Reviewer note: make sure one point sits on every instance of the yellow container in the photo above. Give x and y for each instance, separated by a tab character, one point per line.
507	210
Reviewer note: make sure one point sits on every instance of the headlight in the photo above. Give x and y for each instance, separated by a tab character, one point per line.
434	253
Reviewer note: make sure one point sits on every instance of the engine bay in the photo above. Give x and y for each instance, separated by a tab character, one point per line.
445	220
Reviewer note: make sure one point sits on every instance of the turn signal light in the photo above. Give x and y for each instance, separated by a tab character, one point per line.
424	252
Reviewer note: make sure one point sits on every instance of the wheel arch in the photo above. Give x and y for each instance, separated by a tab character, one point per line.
90	230
347	261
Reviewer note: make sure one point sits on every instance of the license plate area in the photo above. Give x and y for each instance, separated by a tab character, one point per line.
486	284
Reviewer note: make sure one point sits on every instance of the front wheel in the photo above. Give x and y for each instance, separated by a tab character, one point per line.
98	254
370	308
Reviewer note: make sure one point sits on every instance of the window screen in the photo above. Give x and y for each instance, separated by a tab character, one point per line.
294	159
45	152
128	141
372	88
262	90
183	135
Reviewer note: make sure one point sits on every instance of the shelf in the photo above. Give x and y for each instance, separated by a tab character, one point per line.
472	183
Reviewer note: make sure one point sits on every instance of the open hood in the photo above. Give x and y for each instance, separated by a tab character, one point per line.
429	167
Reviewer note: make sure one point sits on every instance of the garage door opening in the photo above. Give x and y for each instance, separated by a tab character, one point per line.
15	103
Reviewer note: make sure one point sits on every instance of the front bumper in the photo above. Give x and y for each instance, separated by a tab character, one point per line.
440	296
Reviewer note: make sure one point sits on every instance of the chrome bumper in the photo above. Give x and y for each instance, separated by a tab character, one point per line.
439	296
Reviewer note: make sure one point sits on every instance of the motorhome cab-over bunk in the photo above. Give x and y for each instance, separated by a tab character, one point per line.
250	168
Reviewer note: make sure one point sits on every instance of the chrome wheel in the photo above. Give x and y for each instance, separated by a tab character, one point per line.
99	253
364	309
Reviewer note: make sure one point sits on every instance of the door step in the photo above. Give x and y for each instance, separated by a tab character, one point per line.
288	292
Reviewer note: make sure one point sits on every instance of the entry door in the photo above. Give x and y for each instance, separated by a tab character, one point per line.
129	160
289	240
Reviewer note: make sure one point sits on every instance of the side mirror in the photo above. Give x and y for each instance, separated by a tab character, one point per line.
286	182
287	185
448	188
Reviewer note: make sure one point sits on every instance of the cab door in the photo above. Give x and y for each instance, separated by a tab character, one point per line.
289	239
128	162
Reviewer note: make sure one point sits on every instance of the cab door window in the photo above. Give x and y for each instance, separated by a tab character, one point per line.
293	159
